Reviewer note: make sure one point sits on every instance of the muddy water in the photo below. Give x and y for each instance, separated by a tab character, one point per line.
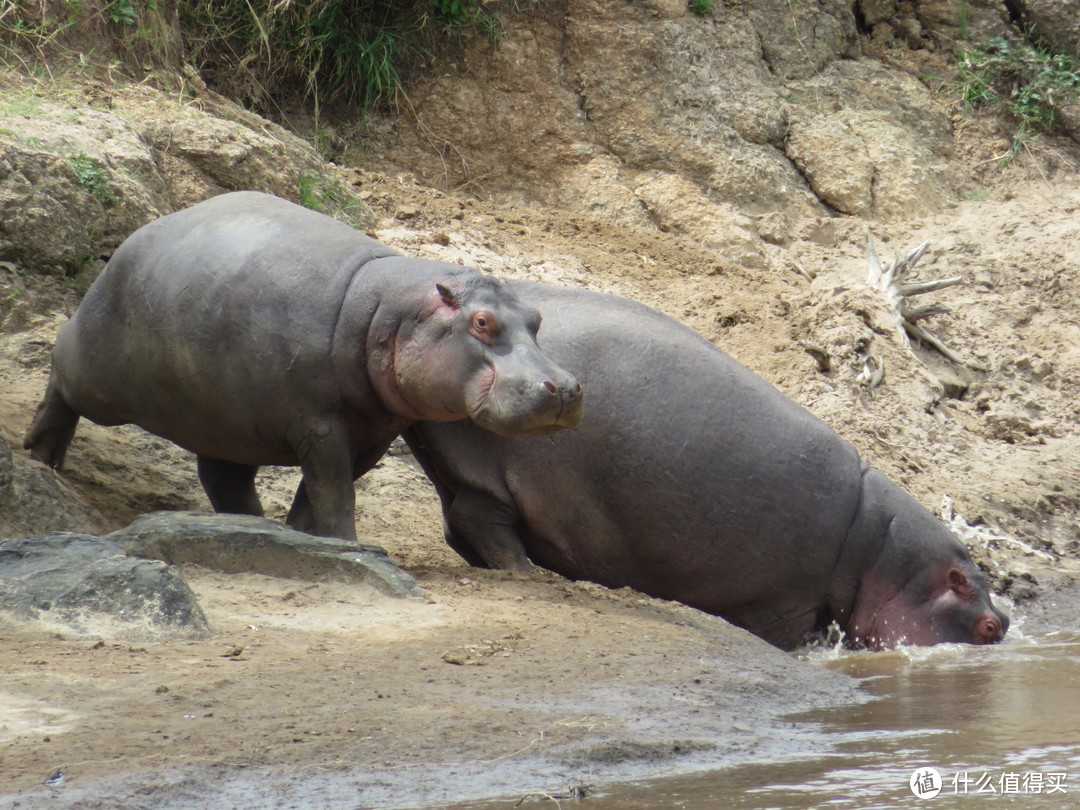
1000	726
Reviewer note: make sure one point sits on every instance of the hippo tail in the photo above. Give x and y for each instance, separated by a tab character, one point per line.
53	427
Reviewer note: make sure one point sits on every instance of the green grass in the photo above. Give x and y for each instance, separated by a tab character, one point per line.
329	195
354	50
1028	81
701	7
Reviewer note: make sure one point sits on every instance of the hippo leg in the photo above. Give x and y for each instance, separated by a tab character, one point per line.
479	527
52	429
302	515
230	486
325	501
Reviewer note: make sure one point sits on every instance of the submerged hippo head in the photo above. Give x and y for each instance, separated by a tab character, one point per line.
473	353
924	590
935	608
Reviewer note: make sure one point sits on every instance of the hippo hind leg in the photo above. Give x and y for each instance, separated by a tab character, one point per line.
52	429
230	486
484	531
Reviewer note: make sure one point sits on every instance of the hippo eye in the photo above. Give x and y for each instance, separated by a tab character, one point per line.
484	326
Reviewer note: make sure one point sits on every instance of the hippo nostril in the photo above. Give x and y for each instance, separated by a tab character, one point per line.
550	386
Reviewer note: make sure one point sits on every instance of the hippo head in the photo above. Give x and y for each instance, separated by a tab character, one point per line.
923	588
938	606
473	353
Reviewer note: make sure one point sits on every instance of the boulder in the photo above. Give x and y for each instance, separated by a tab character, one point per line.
88	584
242	543
35	500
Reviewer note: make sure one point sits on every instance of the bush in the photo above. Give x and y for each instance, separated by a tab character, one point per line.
353	50
1028	81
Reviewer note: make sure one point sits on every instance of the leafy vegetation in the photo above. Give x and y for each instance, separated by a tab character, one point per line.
122	11
354	50
93	178
701	7
1028	81
20	27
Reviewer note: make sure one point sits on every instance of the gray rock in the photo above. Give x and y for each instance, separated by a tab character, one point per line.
242	543
89	584
35	500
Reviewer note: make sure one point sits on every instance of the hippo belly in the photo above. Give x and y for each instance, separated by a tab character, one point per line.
689	478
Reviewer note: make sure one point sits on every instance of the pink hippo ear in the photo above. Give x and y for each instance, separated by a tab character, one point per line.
959	583
449	297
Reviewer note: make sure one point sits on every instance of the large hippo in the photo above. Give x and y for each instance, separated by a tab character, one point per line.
253	331
690	478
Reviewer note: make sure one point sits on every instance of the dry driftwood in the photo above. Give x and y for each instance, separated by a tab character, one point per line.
890	281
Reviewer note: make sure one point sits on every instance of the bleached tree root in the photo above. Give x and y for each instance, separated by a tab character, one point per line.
890	281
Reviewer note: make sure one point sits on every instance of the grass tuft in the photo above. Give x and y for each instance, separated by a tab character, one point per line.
1028	81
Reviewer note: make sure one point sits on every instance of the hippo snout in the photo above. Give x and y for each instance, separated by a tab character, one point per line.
991	626
520	404
567	392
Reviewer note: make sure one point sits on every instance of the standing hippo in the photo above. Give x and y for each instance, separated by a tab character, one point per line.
253	331
690	478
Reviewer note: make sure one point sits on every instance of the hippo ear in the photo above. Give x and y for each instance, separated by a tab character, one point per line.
958	581
449	297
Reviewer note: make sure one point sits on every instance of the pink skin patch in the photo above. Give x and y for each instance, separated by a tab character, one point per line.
953	615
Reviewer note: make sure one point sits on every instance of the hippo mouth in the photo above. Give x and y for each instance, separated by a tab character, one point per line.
523	408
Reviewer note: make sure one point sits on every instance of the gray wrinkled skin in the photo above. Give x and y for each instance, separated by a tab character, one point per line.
253	331
692	479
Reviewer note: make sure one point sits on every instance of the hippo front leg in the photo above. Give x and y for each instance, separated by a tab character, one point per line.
325	501
479	526
302	512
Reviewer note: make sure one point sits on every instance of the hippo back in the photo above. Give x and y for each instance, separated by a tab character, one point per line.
688	478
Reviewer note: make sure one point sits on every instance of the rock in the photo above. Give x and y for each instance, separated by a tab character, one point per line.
799	39
89	584
221	155
72	186
35	500
833	158
872	141
679	206
242	543
1055	22
876	11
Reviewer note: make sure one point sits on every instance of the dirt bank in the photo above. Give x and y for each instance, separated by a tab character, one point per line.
312	695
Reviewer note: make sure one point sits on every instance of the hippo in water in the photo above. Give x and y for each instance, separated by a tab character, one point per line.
690	478
253	331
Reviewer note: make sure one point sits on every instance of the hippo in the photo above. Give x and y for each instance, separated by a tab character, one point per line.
692	479
253	331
